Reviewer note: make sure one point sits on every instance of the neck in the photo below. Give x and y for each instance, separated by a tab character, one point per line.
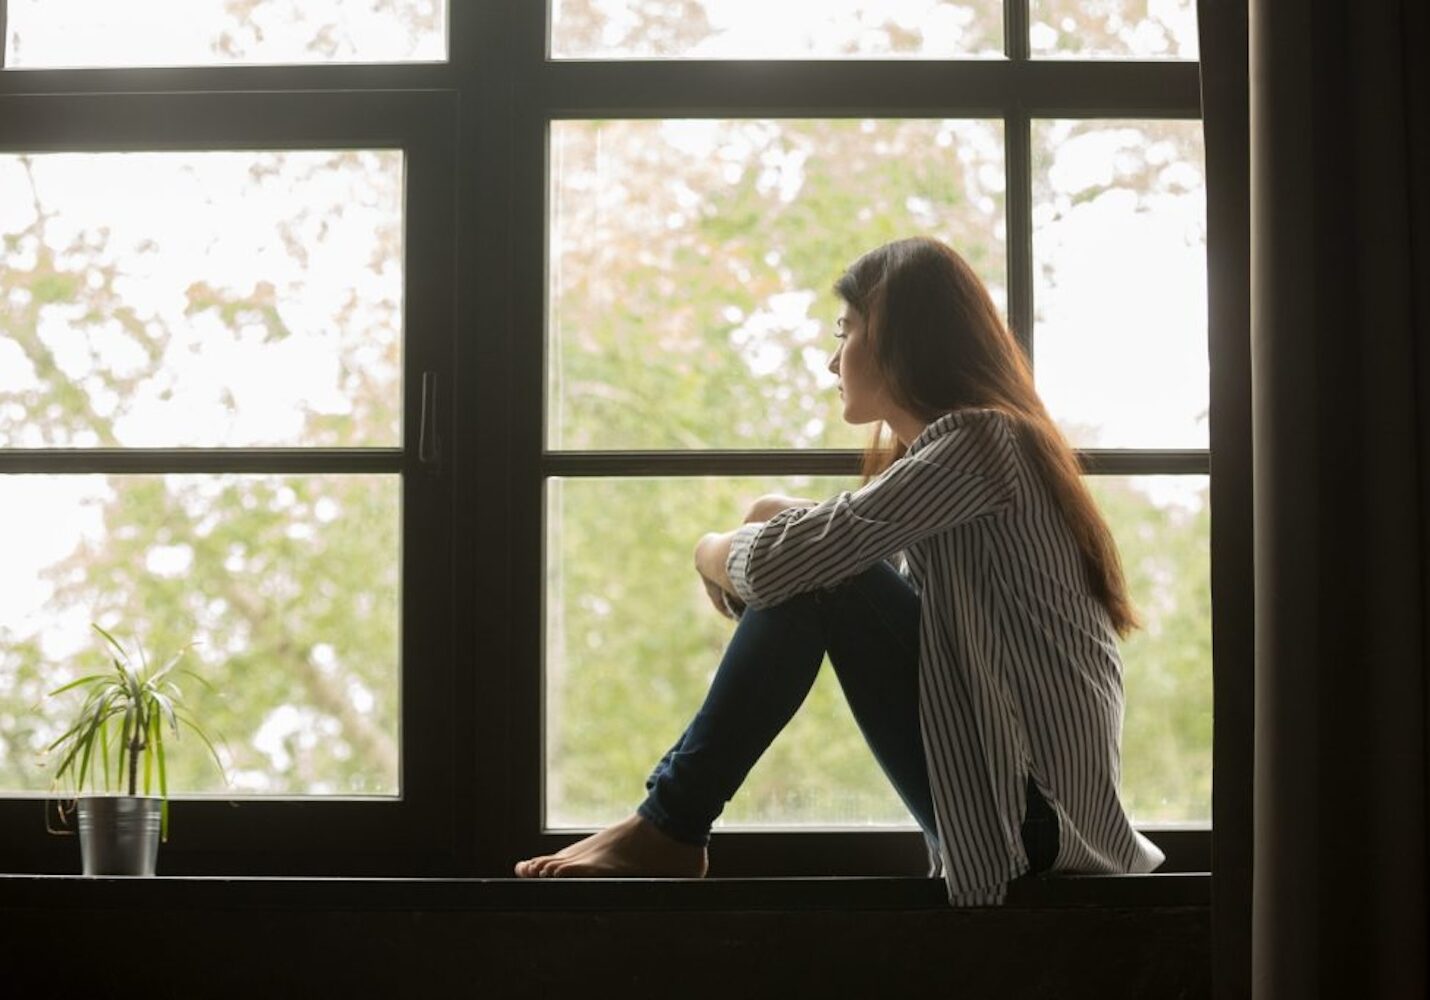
906	426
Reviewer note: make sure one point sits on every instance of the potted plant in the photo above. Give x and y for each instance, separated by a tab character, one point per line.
122	721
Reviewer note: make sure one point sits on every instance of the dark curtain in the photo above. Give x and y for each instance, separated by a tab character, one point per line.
1339	281
1225	106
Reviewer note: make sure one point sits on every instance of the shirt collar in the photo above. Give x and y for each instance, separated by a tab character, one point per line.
939	427
942	425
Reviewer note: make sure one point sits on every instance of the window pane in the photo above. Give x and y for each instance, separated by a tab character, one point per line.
1125	29
631	646
94	33
1162	525
226	299
1119	244
746	29
289	584
691	266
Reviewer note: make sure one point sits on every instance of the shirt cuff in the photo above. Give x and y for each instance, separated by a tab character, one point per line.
742	543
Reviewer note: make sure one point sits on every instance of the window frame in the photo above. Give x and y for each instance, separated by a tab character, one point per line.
283	833
488	110
1017	91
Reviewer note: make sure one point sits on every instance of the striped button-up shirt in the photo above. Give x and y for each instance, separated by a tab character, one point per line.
1019	672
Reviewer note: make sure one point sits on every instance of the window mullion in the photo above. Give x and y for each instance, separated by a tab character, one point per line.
1015	29
1018	200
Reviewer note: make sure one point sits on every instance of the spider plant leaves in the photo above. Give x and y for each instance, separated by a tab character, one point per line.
84	758
80	736
158	739
198	731
148	757
113	642
91	679
198	679
104	748
163	672
133	685
139	700
165	705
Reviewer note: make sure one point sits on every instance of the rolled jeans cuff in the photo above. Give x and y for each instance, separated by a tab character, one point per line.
652	811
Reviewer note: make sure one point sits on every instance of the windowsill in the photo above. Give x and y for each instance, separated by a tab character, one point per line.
1191	889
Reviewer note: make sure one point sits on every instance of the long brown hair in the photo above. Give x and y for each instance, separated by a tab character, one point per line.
941	346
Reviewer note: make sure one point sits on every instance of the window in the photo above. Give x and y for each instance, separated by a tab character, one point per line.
220	311
225	302
359	353
689	262
49	34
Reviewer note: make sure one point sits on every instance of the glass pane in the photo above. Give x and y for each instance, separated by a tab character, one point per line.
748	29
692	261
1162	525
631	646
93	33
289	584
225	299
1117	29
1119	246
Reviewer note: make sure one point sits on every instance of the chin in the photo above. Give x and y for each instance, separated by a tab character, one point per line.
856	418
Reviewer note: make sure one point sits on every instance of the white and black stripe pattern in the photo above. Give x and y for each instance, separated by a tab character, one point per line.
1019	672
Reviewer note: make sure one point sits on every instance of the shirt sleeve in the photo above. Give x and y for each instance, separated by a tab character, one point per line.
966	474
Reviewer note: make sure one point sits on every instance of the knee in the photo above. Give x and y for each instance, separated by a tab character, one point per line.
869	580
802	605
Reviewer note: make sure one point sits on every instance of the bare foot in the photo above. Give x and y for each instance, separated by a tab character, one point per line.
632	848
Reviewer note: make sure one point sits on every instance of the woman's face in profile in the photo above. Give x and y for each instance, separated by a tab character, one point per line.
860	385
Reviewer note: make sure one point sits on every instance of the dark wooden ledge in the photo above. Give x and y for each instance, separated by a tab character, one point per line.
448	894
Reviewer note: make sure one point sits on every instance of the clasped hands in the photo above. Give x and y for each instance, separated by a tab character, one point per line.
712	552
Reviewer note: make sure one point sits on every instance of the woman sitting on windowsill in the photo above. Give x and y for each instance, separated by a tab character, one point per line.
983	671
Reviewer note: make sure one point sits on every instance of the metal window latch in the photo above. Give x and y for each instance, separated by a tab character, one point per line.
429	444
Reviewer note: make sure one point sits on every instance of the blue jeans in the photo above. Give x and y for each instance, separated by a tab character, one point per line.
869	625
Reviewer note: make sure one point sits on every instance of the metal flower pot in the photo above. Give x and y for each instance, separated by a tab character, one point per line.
119	834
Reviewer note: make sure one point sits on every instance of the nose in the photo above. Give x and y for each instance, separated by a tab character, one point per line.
834	359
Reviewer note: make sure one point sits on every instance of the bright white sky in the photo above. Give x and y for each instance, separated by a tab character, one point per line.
224	387
56	33
91	33
758	29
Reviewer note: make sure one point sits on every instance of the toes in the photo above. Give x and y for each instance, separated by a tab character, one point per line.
544	865
531	867
566	867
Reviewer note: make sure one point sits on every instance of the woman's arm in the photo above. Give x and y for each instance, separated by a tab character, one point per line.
771	504
966	474
712	552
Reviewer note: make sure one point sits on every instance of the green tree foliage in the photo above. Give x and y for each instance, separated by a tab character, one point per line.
289	583
722	29
666	246
692	263
632	644
1143	29
1166	741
